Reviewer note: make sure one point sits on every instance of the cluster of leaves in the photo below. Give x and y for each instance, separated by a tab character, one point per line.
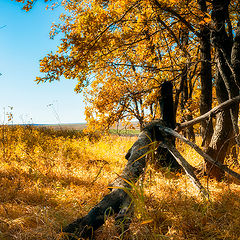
28	4
124	50
49	178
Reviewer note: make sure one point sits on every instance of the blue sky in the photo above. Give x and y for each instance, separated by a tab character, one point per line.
23	42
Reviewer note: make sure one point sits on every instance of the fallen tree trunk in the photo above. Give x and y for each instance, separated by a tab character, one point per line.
118	200
118	197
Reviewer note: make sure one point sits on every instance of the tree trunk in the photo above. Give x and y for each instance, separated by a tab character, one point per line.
226	88
206	78
164	158
188	132
186	92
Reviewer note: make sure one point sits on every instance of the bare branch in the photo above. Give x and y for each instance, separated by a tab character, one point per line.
199	150
225	105
187	168
174	13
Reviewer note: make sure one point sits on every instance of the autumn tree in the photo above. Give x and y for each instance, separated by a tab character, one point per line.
124	50
132	46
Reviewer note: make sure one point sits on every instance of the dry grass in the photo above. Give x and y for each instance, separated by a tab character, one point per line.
49	178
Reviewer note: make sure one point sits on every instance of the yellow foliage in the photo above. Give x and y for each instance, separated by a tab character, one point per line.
121	51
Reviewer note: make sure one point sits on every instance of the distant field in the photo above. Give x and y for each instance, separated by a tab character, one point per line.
120	129
64	126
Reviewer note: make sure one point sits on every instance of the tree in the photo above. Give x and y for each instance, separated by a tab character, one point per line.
137	54
119	95
227	79
205	76
135	46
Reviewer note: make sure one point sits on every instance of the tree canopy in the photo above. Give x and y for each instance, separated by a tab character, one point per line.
121	51
127	49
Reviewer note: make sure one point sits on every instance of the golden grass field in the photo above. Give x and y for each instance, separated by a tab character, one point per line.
48	178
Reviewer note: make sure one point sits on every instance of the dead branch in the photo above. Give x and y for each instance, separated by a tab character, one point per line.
199	150
225	105
187	168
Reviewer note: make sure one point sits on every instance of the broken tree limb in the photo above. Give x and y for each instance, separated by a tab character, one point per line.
187	168
199	150
212	112
118	197
118	201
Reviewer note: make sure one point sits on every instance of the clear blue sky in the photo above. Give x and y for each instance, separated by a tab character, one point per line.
23	42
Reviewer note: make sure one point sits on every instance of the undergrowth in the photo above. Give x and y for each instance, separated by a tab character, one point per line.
48	178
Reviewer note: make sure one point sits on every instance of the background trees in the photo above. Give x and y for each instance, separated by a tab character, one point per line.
123	50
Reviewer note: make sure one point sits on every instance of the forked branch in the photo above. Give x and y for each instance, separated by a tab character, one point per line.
187	168
199	150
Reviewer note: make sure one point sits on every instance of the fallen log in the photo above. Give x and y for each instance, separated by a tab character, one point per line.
117	199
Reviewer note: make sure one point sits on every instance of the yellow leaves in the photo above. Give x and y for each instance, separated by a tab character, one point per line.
38	80
205	20
125	49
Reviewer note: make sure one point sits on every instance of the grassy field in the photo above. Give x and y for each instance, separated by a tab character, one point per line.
50	177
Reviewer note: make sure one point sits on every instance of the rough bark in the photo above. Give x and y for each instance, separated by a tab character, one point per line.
223	131
235	55
206	78
226	87
164	158
167	105
190	131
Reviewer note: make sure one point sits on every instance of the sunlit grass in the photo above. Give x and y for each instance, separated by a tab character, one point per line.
49	178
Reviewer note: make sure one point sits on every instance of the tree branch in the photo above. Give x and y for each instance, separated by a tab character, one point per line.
187	168
174	13
199	150
225	105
